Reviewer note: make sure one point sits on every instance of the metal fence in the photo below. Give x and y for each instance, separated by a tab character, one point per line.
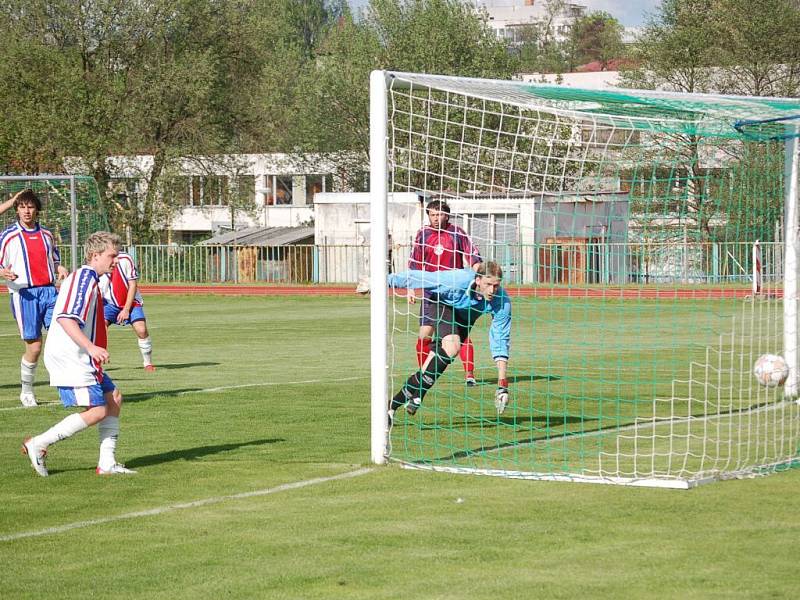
559	264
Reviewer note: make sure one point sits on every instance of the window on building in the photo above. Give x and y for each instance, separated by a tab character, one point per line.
316	184
497	238
126	190
281	188
244	189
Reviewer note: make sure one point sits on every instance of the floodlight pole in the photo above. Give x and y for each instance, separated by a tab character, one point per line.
791	172
378	264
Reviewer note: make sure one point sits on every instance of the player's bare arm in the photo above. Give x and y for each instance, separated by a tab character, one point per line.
61	272
9	203
73	330
125	313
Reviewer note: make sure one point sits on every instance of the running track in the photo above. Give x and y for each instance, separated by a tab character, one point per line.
611	293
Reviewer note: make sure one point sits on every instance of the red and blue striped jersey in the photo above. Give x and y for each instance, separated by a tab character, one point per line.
443	249
115	285
31	254
79	299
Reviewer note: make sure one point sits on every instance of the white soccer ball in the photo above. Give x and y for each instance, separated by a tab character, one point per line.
771	370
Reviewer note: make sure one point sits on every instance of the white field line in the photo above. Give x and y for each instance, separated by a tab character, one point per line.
222	389
270	383
152	512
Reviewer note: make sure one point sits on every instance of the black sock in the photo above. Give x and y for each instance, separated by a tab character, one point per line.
420	382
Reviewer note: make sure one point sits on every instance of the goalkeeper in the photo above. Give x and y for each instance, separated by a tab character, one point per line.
461	297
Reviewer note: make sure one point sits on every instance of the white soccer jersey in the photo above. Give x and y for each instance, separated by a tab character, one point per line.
115	285
31	254
79	299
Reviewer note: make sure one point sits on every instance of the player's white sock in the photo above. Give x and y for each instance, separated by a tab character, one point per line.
108	430
27	375
65	428
146	348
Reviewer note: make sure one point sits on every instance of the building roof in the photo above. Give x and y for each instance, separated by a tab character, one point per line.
263	236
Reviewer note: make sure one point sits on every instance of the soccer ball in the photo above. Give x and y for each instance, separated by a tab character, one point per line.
771	370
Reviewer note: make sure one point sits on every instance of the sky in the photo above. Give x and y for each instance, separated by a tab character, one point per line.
631	13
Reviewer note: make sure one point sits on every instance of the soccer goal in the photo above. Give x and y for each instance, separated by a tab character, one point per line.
649	247
72	208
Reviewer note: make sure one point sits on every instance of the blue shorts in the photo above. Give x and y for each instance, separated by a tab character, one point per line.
90	395
111	312
32	309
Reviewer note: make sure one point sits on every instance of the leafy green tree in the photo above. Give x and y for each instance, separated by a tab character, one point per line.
597	37
162	77
324	104
676	48
758	47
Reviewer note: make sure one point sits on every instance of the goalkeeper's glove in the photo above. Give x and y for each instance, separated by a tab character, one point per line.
501	396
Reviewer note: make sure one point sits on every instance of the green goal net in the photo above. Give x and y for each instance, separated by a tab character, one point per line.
72	209
648	242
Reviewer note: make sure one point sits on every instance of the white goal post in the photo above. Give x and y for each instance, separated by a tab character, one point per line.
625	223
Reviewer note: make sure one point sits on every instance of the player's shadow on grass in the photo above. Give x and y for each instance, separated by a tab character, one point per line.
172	366
144	396
194	453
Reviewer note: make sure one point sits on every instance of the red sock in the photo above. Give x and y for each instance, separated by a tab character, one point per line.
423	349
467	354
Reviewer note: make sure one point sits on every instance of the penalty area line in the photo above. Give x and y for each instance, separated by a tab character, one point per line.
269	383
218	389
184	505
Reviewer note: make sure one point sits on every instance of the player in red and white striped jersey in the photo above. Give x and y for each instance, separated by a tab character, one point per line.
31	265
441	246
123	304
75	353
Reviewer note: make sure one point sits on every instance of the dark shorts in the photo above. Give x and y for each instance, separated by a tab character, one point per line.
447	320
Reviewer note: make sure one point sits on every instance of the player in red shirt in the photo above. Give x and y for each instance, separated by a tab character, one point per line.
31	265
441	246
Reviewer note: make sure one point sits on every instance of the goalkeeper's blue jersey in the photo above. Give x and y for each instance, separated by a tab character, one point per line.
457	289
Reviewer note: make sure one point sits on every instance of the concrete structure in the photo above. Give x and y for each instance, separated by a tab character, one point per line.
508	18
228	192
588	80
565	238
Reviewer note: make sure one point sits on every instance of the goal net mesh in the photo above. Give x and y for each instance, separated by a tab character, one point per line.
641	237
55	193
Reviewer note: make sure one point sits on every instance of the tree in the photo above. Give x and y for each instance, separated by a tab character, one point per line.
327	107
676	48
721	46
597	37
758	47
161	77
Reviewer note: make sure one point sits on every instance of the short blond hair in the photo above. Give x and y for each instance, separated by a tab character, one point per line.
490	269
99	241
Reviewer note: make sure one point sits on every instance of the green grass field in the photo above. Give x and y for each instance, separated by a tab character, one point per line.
258	405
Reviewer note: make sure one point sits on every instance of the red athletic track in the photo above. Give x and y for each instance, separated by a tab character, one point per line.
611	293
249	290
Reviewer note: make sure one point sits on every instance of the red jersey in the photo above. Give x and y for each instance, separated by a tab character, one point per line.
443	249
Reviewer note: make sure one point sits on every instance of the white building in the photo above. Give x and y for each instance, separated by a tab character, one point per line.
227	192
554	237
591	80
508	18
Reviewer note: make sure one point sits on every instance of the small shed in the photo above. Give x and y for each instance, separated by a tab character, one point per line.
263	254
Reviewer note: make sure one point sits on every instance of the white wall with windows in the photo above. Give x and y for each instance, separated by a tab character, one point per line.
516	232
508	18
231	191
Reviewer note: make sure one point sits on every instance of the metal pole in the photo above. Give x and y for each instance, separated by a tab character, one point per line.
792	248
73	211
378	267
